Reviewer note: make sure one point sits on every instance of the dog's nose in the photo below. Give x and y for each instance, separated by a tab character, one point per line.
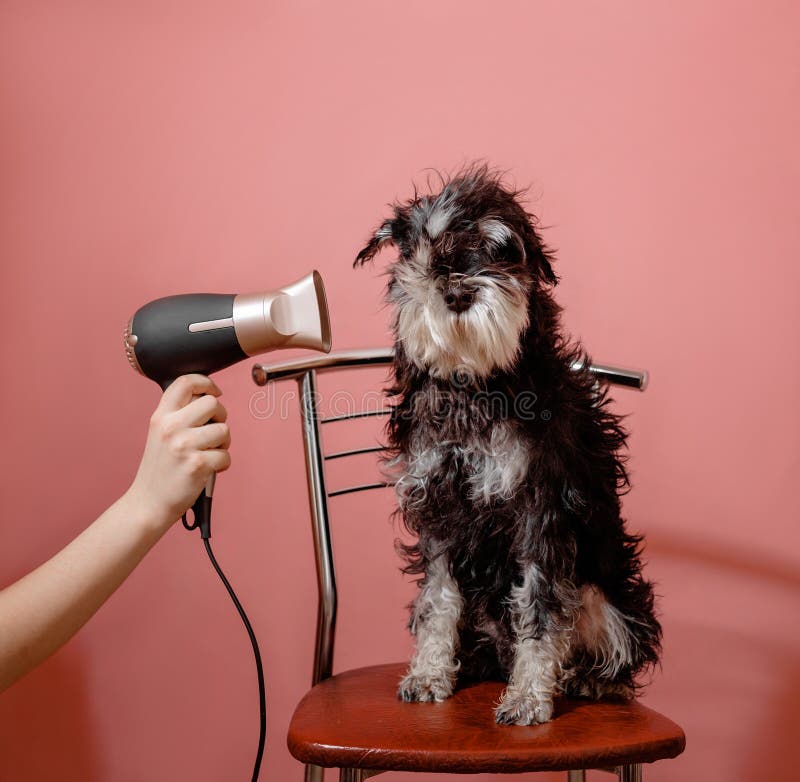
458	298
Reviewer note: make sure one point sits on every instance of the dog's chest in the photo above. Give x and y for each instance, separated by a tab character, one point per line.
463	455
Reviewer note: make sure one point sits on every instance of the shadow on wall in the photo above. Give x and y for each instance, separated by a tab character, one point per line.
772	756
712	553
45	724
731	665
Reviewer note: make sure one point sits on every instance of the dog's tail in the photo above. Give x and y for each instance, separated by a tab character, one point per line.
618	636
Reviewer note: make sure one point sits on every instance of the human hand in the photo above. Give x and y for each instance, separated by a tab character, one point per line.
181	452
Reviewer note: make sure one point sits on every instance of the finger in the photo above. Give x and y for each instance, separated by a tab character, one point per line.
218	460
220	413
211	436
180	393
199	411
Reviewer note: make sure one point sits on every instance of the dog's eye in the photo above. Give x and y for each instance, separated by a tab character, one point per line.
472	263
510	253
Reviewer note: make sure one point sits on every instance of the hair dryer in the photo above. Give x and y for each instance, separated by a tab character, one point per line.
206	332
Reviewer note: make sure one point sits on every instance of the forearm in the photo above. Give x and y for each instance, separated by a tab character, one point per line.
44	609
187	441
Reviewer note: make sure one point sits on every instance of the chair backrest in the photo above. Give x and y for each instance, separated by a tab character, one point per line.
305	372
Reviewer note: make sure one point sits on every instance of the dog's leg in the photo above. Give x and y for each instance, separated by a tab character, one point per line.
434	621
541	649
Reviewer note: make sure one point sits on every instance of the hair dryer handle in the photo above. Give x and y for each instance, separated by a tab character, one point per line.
201	510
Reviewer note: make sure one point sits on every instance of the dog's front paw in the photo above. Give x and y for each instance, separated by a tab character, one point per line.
517	708
424	688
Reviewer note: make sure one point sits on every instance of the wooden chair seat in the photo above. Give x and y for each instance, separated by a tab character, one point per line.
354	720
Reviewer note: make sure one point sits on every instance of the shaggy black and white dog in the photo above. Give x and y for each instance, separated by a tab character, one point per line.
508	465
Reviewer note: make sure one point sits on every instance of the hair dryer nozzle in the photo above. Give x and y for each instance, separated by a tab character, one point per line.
293	316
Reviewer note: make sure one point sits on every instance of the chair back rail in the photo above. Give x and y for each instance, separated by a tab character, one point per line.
371	357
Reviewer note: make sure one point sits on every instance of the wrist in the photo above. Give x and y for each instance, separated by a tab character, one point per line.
152	518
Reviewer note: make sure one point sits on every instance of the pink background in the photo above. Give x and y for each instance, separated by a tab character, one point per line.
159	147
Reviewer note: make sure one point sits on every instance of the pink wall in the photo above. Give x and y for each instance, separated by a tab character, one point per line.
159	147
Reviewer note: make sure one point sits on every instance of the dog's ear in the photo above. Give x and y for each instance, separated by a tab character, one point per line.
540	258
380	237
390	231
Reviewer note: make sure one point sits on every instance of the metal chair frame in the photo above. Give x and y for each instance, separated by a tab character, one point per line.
305	372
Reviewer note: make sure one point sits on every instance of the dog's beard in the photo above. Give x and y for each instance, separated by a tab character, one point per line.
479	341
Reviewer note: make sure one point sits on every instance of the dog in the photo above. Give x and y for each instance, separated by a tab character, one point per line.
508	463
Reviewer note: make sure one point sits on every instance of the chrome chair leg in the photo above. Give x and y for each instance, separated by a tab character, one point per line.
632	773
314	773
576	776
351	775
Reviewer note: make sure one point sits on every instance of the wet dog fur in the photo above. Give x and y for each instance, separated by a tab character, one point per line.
508	463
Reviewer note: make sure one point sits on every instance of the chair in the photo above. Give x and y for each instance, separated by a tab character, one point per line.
353	721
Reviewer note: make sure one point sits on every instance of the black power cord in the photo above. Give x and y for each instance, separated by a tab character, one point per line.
202	521
262	701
